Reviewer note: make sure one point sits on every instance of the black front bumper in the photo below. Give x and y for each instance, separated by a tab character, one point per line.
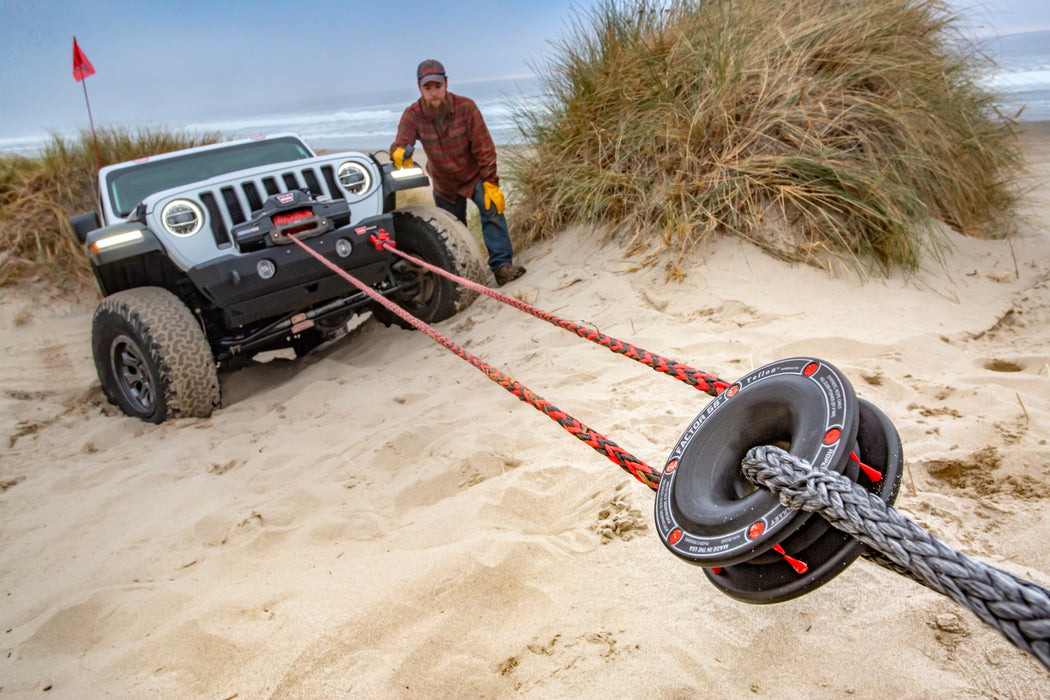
300	282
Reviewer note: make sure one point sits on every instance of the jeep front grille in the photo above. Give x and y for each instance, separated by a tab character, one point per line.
252	192
311	183
218	228
234	204
329	177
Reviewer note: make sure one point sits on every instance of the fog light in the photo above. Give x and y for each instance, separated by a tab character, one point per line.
343	248
266	269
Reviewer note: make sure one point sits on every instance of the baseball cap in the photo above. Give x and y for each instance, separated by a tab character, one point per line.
430	71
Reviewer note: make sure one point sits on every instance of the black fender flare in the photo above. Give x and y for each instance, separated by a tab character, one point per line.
127	239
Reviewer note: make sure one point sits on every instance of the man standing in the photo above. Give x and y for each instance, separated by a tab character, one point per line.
461	161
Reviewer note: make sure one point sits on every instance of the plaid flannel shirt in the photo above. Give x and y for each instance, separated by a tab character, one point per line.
459	152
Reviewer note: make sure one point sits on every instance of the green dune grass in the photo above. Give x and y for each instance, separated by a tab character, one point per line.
39	194
816	128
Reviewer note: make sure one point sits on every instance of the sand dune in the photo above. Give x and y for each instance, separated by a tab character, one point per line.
380	520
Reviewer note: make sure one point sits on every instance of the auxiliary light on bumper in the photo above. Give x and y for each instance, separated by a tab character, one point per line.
406	173
116	239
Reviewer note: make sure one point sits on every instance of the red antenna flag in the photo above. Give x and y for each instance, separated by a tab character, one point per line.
82	67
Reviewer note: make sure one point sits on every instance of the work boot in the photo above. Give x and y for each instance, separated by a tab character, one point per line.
508	273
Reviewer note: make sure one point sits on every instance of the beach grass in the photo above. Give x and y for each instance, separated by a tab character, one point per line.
817	130
38	195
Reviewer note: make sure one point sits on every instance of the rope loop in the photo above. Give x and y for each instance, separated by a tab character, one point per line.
1017	608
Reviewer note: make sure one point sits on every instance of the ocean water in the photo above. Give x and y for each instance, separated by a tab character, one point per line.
369	121
1020	76
351	122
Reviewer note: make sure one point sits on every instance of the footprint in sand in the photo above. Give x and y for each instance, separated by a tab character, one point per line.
620	518
1031	364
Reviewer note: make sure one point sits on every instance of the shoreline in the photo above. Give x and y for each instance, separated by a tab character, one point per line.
1036	127
1039	128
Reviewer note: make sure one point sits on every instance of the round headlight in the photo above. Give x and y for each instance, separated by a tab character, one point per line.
343	248
354	177
181	217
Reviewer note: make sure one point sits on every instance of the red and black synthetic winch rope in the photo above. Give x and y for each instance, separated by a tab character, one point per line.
703	381
707	383
636	467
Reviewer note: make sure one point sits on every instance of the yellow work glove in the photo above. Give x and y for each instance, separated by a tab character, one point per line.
399	159
494	196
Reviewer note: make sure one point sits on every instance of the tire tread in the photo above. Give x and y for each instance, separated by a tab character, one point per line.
173	339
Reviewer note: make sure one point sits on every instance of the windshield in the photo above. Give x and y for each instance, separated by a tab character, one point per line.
129	186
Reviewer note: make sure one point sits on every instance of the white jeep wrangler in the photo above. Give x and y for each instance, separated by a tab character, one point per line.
191	252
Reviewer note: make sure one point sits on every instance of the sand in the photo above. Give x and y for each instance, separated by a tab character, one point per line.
381	520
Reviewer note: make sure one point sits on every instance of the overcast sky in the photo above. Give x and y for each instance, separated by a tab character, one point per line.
176	62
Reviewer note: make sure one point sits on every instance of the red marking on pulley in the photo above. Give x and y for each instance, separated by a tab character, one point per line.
832	436
800	567
671	466
874	474
675	536
756	530
716	570
810	369
731	391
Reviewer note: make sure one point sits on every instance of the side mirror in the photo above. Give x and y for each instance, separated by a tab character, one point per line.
83	224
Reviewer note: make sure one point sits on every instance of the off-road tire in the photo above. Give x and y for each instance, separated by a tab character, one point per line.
439	238
152	357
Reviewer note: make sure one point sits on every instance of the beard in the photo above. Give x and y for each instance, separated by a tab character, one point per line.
440	112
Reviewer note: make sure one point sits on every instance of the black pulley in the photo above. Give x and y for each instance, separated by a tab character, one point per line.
754	548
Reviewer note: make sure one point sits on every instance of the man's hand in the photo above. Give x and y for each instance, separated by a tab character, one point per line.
494	196
399	159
